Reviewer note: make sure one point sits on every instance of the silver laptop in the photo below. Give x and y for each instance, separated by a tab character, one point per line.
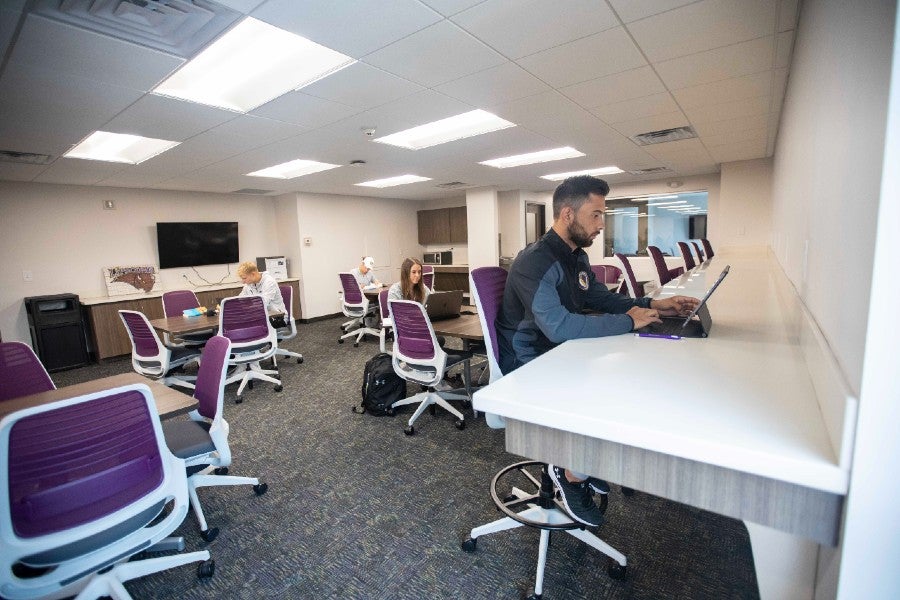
688	327
444	305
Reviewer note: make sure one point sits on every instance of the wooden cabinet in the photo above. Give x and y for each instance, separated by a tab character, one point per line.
108	335
459	225
443	226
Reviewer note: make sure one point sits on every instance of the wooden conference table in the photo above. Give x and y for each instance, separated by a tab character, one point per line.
169	402
733	423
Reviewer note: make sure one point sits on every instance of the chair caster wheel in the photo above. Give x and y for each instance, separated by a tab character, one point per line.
390	412
300	361
278	388
340	340
617	571
206	569
534	597
210	534
261	488
221	471
459	424
410	430
469	544
432	409
356	345
239	399
627	491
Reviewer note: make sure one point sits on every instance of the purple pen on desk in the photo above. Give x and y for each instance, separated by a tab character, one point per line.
664	336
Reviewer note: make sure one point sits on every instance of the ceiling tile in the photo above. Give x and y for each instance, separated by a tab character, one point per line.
451	7
353	27
362	86
78	172
532	107
654	123
632	10
779	85
787	15
731	61
534	25
615	88
703	26
739	151
784	46
647	106
425	57
411	111
734	137
730	110
499	84
9	19
602	54
715	128
302	109
80	53
726	90
19	172
167	119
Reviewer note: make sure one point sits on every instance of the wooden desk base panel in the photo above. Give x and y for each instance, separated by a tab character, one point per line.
788	507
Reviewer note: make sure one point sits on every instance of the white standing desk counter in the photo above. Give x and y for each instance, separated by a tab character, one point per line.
732	423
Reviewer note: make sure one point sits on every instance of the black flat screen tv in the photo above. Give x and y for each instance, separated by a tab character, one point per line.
195	244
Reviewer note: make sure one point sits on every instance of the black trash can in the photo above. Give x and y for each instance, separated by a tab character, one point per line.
57	330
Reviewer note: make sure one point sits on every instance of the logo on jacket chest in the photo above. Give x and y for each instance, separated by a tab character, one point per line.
583	280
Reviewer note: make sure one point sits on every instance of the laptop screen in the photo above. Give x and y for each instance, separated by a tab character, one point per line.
708	294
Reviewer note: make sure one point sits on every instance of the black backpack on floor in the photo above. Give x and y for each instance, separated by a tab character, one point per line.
381	387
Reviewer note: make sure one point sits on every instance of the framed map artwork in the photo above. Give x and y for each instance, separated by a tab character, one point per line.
121	281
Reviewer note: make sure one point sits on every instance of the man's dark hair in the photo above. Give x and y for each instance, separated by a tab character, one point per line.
574	191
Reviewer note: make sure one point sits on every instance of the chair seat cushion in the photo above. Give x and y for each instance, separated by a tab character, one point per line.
187	439
182	354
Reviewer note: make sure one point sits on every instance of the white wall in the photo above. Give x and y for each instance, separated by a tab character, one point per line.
746	198
343	230
511	221
483	221
64	237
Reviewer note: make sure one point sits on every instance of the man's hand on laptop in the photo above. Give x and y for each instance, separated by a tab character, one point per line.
675	305
643	316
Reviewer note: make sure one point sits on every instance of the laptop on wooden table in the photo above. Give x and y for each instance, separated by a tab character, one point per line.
444	305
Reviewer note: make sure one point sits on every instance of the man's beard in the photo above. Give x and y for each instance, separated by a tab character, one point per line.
579	235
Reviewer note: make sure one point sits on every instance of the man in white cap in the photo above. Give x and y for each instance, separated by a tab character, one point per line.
364	275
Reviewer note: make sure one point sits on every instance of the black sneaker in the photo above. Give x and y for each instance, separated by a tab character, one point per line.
576	497
598	486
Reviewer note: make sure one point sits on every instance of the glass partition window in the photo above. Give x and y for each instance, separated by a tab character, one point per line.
662	220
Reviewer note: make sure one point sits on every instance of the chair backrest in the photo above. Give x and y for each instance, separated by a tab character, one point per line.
21	372
700	258
613	274
631	284
244	321
413	333
177	301
210	386
487	287
383	304
662	270
687	256
708	247
428	276
92	509
352	294
599	272
287	296
145	343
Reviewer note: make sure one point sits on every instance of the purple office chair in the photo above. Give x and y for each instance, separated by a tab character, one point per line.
708	247
290	330
356	306
663	271
244	321
613	274
203	441
700	258
687	256
70	526
386	323
21	373
599	272
174	304
418	357
542	509
428	276
631	285
150	357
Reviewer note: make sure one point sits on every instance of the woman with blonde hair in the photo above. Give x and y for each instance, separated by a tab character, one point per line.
410	286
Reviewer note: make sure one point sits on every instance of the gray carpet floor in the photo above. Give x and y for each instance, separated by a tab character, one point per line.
356	509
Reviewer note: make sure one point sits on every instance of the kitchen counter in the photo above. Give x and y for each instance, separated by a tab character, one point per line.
462	269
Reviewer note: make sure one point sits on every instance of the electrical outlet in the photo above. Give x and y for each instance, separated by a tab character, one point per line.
307	241
109	205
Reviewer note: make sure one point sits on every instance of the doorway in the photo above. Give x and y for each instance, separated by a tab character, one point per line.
535	223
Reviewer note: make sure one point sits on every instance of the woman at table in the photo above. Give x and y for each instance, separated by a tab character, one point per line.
410	286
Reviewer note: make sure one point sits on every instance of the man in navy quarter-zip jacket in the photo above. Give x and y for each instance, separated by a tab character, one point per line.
549	285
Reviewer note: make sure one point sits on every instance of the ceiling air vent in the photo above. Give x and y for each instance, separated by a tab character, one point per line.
253	192
452	185
651	171
28	158
664	135
179	27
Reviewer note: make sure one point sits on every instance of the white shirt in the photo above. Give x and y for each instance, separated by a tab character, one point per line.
365	279
266	287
